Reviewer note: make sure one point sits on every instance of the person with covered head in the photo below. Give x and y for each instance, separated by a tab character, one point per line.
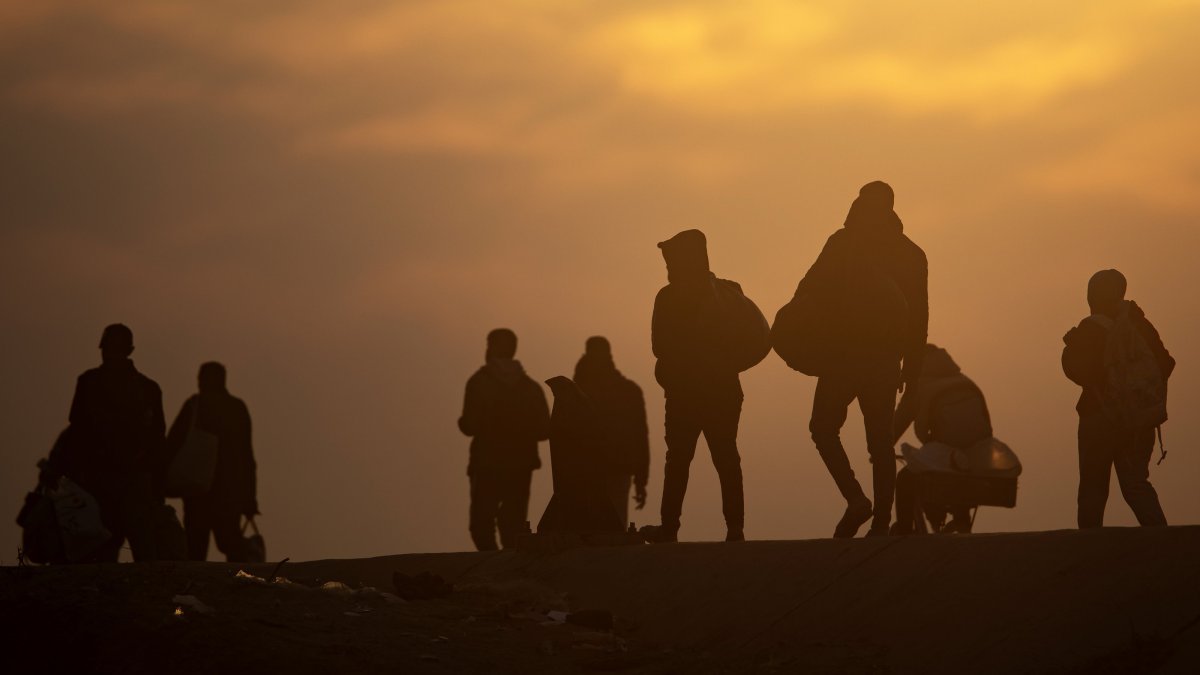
114	446
1117	356
506	415
234	485
700	381
875	283
621	410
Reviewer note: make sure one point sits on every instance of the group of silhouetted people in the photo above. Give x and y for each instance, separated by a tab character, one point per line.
858	321
118	450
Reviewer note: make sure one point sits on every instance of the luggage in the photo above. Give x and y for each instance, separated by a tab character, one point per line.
191	471
79	522
254	546
984	474
860	313
747	335
41	541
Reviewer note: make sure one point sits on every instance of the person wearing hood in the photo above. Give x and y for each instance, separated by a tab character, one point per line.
868	266
944	407
234	486
700	381
621	409
506	415
1105	442
116	448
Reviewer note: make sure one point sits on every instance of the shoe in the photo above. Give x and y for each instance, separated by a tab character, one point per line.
657	534
857	513
735	535
878	532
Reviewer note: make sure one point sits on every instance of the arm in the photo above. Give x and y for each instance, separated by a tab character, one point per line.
640	438
473	406
1166	362
906	413
914	352
250	486
542	414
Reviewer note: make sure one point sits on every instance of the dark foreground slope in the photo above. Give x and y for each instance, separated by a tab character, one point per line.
1117	600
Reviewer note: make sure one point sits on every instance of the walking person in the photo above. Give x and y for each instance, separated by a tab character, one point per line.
506	415
870	284
234	484
1118	358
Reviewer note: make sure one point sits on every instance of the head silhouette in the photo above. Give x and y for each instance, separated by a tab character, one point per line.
501	344
116	343
873	208
1106	291
686	255
598	346
211	378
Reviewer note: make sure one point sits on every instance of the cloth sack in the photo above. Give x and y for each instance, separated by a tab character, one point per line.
79	522
41	541
190	473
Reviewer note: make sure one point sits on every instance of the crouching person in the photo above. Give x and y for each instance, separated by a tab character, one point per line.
1119	360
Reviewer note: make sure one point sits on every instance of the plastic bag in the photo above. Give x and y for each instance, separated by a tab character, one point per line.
79	522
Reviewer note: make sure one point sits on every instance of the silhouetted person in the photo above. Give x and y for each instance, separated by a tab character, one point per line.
621	409
114	446
1118	358
945	407
506	415
234	485
700	380
865	264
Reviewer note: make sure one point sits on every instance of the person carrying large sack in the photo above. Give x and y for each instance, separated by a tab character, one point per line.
114	446
704	332
1118	358
860	312
232	489
506	415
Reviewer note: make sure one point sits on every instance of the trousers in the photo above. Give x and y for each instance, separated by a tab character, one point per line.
716	415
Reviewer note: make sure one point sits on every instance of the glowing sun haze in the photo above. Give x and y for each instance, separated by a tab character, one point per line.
338	200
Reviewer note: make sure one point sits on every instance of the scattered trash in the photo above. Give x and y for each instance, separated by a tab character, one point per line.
243	576
597	619
337	588
556	617
424	586
191	602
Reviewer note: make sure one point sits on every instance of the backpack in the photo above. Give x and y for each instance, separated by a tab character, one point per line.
745	332
1134	395
959	416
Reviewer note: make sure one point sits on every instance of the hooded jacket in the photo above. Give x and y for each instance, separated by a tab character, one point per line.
506	415
1083	356
874	239
621	409
926	408
224	415
686	330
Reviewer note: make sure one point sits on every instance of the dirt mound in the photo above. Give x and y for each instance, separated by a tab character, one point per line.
1114	600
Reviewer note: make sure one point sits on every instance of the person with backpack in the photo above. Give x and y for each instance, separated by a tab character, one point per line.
866	300
1118	358
234	482
704	332
114	446
506	415
948	408
621	409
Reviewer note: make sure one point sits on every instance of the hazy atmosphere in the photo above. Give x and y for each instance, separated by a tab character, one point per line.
339	200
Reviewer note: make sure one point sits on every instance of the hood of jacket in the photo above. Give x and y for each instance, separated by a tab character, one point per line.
872	212
686	255
938	363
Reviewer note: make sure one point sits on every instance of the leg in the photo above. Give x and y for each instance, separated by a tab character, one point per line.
720	432
906	503
683	419
197	521
485	504
618	493
1132	462
138	504
227	531
514	506
877	401
830	403
1096	436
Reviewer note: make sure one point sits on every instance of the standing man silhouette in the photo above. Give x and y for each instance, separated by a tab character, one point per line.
872	273
506	415
700	381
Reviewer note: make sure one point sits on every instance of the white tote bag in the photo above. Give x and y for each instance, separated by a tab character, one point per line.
191	472
79	521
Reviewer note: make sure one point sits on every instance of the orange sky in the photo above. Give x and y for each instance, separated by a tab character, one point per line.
338	200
